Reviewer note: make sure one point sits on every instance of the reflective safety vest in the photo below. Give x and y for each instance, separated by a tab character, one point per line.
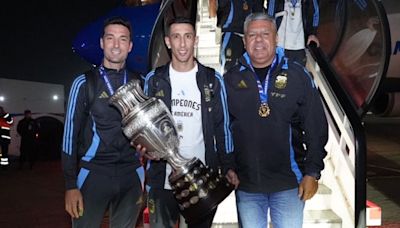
5	124
3	161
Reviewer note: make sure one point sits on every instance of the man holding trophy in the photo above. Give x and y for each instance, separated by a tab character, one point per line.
196	97
102	172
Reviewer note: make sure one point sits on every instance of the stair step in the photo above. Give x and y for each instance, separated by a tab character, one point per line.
321	200
207	26
207	61
208	47
207	37
225	225
208	56
323	189
208	52
312	219
321	219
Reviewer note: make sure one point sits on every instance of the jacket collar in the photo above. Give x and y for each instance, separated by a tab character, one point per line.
245	61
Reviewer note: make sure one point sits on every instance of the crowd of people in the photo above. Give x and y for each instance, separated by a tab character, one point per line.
243	123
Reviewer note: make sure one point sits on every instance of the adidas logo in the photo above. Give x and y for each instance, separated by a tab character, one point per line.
160	93
103	95
242	84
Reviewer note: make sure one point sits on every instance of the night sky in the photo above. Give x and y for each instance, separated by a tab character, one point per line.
36	38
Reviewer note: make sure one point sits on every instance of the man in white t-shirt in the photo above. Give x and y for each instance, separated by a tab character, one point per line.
196	97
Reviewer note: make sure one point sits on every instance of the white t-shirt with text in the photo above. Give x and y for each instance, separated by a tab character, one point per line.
186	111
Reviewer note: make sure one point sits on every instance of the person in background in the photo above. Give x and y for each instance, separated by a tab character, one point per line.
266	92
5	124
196	97
28	129
297	27
212	8
230	18
102	170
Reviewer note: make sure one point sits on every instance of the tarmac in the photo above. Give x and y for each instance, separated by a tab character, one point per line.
35	198
383	167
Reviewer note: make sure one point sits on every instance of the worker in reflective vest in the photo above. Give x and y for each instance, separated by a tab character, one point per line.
5	124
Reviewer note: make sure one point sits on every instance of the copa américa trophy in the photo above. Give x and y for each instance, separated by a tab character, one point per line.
148	122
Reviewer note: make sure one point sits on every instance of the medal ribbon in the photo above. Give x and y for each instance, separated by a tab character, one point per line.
103	73
294	2
263	90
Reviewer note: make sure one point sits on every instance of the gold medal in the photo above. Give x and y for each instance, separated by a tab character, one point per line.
264	110
245	6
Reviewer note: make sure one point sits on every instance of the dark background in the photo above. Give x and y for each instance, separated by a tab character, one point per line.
36	38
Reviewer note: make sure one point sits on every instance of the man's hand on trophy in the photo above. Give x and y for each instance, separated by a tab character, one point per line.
232	178
143	152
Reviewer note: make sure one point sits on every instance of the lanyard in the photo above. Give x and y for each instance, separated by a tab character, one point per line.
107	81
293	9
263	90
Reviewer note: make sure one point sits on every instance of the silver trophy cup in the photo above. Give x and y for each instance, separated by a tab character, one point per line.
148	121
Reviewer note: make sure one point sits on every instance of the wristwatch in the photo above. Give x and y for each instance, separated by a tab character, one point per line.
317	176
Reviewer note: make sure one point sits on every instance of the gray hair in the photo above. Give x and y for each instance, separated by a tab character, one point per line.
257	16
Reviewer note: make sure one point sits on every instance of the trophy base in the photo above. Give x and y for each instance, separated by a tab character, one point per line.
199	190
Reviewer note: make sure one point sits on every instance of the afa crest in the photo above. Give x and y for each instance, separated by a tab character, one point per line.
281	81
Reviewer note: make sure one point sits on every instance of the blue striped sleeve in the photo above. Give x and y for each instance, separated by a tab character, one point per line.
271	8
227	131
316	14
70	114
146	82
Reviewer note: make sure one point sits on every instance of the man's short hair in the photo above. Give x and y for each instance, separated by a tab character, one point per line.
257	16
117	20
27	111
178	20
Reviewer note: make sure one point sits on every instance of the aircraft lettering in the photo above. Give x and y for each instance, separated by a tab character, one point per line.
396	47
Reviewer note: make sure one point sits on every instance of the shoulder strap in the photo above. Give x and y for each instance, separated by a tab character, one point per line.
91	79
210	75
210	72
157	73
161	69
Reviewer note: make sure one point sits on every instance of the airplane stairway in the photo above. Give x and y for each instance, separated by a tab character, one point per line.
349	67
208	47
